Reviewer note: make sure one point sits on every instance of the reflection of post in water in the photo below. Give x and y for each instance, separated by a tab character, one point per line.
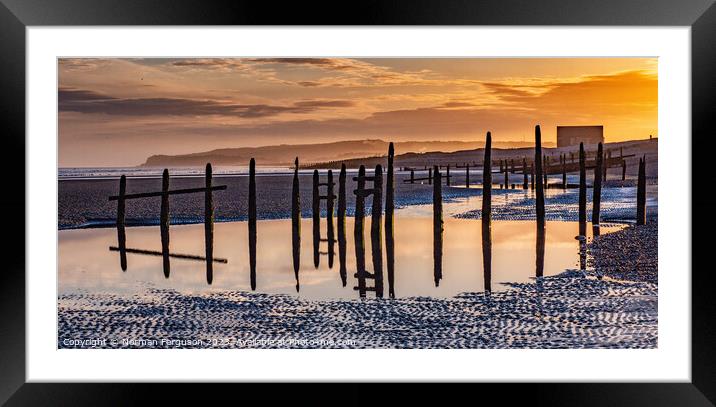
209	226
437	227
487	213
539	272
316	212
164	222
342	224
121	233
330	198
358	232
296	223
582	192
252	223
375	230
390	222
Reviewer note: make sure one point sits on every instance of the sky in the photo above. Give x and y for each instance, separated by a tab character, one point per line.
118	112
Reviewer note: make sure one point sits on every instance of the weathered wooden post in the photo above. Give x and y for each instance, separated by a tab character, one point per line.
164	222
605	166
296	223
375	230
209	226
487	215
316	213
539	201
358	231
564	171
412	176
532	175
597	190
582	192
252	223
448	175
121	233
467	175
507	177
545	165
437	228
430	176
330	234
641	193
342	224
390	222
623	169
525	180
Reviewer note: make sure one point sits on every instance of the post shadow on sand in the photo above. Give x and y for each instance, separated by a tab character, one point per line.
252	223
296	224
487	214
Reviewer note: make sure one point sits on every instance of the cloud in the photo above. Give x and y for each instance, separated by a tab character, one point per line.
85	101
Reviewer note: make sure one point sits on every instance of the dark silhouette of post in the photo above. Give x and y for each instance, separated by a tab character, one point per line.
597	189
539	201
525	179
564	171
390	222
641	193
448	175
358	237
412	176
487	215
252	223
430	176
623	170
605	165
582	192
467	175
121	233
296	223
342	224
507	177
532	175
316	213
330	198
545	169
209	226
164	222
437	228
375	230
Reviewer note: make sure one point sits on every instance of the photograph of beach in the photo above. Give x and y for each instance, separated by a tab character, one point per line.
357	203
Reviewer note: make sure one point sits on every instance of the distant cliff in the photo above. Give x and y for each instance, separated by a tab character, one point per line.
284	154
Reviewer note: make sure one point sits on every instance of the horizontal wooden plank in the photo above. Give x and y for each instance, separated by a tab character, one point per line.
171	192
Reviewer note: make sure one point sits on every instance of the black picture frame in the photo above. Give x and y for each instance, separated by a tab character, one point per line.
16	15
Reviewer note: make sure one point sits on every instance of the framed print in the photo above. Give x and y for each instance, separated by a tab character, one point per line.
451	192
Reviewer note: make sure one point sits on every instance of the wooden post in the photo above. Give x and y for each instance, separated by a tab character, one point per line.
564	171
467	175
487	215
430	176
641	193
545	165
507	177
582	192
296	223
121	233
209	226
358	231
539	201
605	166
342	224
532	176
330	234
316	213
252	223
525	180
412	176
597	190
390	223
375	230
623	169
437	228
164	222
448	175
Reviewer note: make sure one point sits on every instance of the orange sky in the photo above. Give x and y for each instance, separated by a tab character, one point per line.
117	112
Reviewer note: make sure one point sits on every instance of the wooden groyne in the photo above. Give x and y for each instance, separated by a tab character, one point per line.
582	193
342	225
164	222
597	190
539	200
390	222
209	225
252	223
641	193
487	215
296	223
437	228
